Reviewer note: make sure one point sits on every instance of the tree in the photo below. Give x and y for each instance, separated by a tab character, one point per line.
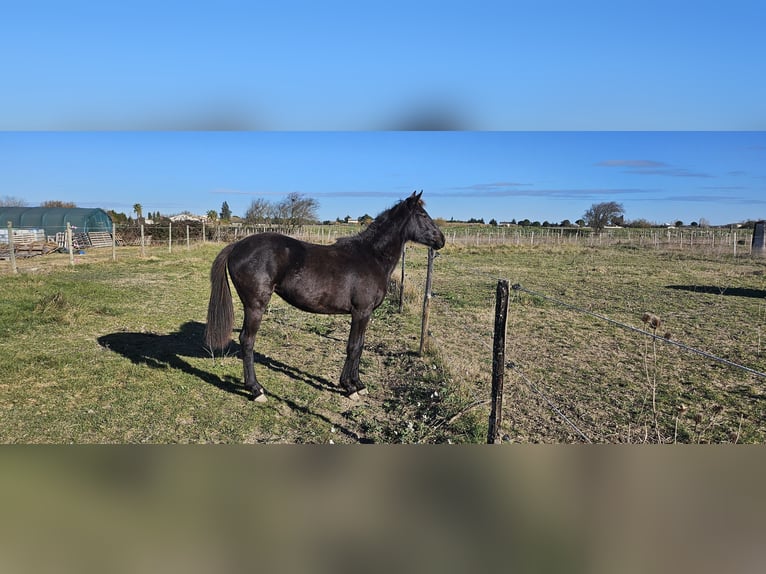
117	218
225	212
212	215
139	210
601	214
258	212
640	223
679	223
297	209
57	203
10	201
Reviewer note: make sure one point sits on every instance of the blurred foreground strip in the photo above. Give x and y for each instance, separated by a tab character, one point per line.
381	509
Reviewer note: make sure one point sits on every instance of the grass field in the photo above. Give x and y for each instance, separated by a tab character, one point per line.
111	352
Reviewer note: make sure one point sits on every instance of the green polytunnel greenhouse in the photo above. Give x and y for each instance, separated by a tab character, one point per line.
54	219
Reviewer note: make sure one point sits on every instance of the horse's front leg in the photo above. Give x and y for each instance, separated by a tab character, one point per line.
349	378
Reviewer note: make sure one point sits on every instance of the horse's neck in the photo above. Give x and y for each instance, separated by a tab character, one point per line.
388	250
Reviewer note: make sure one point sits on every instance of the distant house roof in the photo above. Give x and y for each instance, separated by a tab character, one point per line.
187	217
54	219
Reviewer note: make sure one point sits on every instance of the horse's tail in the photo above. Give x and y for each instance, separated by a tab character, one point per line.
220	310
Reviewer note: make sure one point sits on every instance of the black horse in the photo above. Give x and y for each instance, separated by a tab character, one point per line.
350	276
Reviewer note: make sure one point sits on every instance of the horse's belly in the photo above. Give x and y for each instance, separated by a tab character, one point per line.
315	301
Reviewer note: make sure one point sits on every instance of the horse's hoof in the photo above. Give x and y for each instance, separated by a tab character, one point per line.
260	398
357	394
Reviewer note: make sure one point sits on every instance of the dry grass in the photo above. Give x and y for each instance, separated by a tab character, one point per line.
614	384
111	352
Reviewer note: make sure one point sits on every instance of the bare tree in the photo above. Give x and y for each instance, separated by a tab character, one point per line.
58	203
10	201
259	211
297	209
293	210
601	214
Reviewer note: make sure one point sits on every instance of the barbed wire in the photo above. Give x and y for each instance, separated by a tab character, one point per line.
518	287
550	403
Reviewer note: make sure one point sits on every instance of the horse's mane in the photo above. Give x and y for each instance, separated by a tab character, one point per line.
379	232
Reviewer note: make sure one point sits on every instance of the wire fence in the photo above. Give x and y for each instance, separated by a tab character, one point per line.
578	369
594	366
708	240
734	241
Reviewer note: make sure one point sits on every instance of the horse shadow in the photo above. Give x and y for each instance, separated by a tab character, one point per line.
725	291
170	351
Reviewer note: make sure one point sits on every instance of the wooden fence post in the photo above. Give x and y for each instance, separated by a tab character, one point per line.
498	362
12	248
401	285
188	244
143	251
170	237
426	302
114	242
70	243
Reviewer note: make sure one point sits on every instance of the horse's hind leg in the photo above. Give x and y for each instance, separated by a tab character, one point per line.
253	316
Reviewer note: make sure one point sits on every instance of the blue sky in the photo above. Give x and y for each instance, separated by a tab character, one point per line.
659	176
339	65
182	105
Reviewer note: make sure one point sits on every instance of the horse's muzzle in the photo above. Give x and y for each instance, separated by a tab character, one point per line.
438	241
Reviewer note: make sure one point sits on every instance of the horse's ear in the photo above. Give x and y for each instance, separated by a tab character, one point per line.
414	199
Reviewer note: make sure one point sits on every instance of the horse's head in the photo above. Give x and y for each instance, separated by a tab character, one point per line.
420	227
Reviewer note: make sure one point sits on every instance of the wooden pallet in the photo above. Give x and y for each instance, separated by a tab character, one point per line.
100	239
29	249
90	239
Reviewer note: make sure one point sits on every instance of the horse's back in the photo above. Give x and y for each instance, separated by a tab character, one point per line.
316	278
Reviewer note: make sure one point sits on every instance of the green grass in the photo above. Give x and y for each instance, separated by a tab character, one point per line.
111	352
